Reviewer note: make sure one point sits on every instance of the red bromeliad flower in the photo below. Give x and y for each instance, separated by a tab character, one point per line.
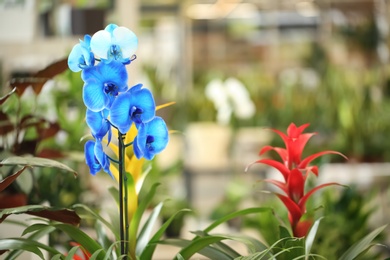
295	171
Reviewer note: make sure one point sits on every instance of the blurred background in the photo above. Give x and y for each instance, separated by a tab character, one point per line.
235	68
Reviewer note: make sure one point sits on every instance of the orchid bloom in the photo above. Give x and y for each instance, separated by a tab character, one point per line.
102	84
295	171
114	43
81	56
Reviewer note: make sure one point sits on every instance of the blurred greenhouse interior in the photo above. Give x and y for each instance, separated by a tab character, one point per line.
235	69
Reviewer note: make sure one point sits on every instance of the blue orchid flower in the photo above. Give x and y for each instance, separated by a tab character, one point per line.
118	43
81	56
98	123
136	105
152	138
102	83
95	157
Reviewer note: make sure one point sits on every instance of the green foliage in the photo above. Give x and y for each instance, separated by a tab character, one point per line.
346	221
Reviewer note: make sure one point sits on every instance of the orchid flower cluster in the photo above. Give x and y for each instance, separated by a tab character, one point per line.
295	172
102	60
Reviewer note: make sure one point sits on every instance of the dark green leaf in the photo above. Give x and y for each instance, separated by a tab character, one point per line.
80	237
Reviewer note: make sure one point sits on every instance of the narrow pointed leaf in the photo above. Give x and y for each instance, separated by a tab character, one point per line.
208	251
309	241
151	246
4	98
71	253
36	161
98	217
197	245
10	179
165	105
234	215
80	237
57	214
136	219
26	245
359	247
146	230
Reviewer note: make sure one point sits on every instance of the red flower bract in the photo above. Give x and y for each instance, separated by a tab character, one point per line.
295	171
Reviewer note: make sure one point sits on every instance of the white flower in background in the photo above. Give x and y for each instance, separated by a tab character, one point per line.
243	106
230	97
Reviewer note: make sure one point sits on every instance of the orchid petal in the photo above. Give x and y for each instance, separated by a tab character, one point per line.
93	164
102	157
127	41
97	122
75	58
136	105
93	97
119	113
100	43
110	28
152	138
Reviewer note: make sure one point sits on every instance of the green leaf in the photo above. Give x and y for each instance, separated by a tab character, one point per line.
310	237
197	245
234	215
38	231
4	98
10	179
26	245
151	246
96	216
80	237
61	215
57	257
360	246
251	243
146	230
135	221
111	251
36	161
95	255
207	251
115	194
71	253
